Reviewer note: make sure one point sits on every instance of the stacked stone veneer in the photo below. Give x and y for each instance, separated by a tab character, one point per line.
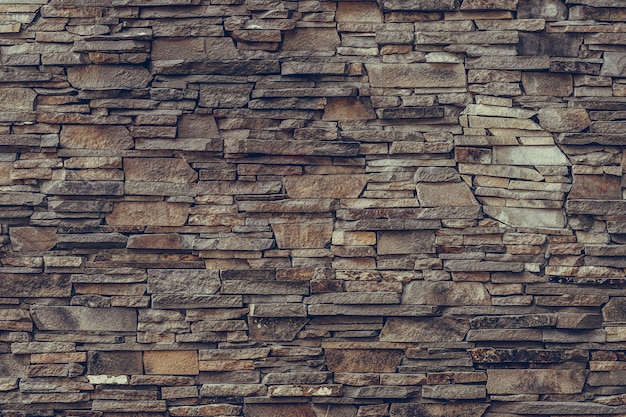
312	209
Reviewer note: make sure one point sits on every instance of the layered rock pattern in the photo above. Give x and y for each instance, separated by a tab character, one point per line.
270	208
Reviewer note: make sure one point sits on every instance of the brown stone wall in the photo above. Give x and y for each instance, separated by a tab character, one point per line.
274	208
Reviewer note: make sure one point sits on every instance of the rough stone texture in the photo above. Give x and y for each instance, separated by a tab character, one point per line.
95	137
84	318
272	208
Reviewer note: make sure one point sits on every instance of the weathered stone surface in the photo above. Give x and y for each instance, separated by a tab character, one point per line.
27	239
614	64
535	381
436	174
418	330
437	410
129	213
529	155
446	293
550	10
84	318
161	169
553	44
360	360
95	137
527	217
182	362
596	187
311	40
445	194
564	120
115	363
615	310
183	281
17	100
325	186
547	84
419	5
275	328
108	77
416	75
405	242
277	410
348	108
302	235
35	285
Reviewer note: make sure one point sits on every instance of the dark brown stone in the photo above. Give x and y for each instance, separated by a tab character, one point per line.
114	363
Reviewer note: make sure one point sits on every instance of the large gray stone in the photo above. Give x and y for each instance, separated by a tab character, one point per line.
420	5
527	217
85	318
115	363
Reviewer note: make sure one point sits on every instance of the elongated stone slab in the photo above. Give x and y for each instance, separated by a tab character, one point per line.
108	77
437	410
527	217
416	75
535	381
35	285
431	330
129	213
325	186
446	293
85	318
420	5
183	281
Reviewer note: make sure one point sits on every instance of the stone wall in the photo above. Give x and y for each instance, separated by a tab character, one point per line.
272	208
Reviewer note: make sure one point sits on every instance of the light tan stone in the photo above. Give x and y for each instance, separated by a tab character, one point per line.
95	137
564	120
144	213
359	12
325	186
183	362
303	235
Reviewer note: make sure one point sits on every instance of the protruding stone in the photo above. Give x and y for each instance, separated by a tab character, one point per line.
564	120
85	318
527	217
27	239
437	410
303	235
115	363
445	194
416	75
535	381
446	293
108	77
159	169
348	108
311	40
182	362
325	186
140	213
547	84
405	242
363	360
430	330
95	137
17	100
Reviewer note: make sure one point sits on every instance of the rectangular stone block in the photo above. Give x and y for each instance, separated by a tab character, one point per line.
183	281
183	362
85	318
35	285
535	381
416	75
